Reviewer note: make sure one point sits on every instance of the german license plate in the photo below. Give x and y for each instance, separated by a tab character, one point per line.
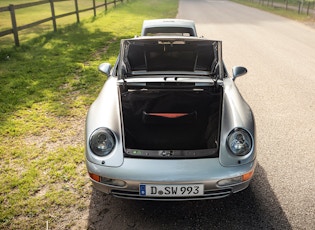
186	190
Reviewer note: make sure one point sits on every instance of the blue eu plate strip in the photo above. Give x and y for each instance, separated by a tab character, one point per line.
142	190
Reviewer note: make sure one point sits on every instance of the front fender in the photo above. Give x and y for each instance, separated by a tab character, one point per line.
104	112
235	114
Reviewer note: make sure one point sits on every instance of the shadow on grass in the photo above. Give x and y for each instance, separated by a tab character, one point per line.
257	207
51	67
47	68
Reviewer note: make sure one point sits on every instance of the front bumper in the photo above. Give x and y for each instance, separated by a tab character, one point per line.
134	172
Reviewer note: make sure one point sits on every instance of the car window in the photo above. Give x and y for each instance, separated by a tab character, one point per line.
169	31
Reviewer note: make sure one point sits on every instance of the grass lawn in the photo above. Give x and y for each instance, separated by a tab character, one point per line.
32	14
47	85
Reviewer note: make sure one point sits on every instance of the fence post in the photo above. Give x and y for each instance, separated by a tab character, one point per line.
14	25
77	10
94	8
308	8
53	16
115	3
105	5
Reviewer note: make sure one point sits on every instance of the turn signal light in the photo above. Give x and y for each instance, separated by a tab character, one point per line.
95	177
247	176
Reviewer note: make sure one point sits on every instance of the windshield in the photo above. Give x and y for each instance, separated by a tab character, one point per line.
169	31
156	55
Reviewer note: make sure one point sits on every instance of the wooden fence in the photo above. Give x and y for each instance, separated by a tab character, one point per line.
15	28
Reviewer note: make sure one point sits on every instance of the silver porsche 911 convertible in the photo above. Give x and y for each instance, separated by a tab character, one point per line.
169	123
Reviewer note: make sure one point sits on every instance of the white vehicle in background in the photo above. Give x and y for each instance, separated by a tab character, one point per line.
169	27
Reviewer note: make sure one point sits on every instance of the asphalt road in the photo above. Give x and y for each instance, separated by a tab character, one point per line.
280	88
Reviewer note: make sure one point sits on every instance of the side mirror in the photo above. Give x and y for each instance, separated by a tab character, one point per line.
238	71
105	68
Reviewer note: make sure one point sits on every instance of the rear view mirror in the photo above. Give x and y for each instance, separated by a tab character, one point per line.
238	71
105	68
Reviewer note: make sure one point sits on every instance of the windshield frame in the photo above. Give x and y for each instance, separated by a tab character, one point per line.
215	71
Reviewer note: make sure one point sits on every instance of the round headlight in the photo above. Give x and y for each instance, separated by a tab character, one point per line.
102	141
239	142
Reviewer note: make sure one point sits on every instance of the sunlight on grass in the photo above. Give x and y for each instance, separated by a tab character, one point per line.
50	81
41	12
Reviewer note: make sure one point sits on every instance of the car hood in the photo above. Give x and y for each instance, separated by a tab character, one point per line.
152	56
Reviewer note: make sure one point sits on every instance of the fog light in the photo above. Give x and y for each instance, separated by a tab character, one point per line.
230	181
236	180
113	182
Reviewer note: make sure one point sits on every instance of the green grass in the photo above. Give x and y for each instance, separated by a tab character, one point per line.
32	14
48	84
292	14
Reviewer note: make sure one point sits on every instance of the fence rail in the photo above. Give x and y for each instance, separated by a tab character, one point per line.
15	28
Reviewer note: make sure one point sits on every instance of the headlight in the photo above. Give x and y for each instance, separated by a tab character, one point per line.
102	141
239	142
